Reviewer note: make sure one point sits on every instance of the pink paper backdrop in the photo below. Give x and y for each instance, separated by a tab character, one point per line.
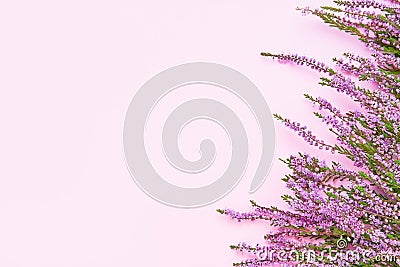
68	70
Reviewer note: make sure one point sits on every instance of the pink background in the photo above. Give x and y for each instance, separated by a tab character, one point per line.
68	70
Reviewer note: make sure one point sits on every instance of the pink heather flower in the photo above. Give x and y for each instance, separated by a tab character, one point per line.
329	202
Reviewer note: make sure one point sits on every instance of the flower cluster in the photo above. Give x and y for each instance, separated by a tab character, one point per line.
329	202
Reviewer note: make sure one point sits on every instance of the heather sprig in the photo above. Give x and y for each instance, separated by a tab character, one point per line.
328	201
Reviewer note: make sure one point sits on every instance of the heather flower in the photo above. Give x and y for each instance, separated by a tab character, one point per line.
329	202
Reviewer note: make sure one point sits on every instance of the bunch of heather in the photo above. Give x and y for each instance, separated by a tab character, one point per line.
338	216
